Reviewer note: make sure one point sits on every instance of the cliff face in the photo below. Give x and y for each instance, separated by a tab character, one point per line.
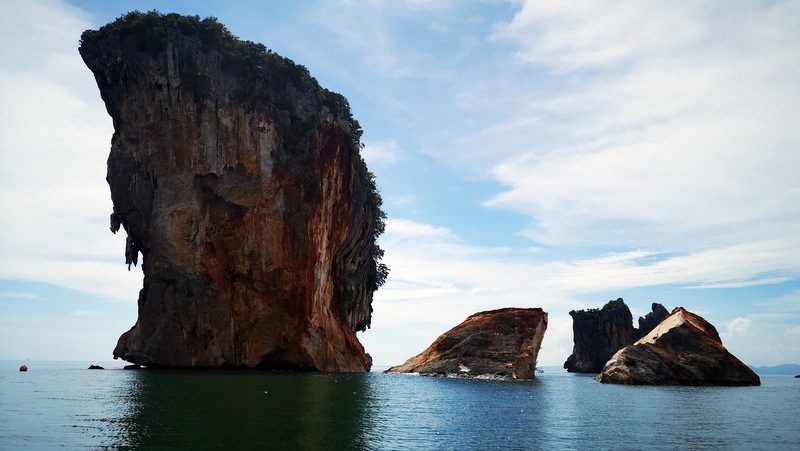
599	333
651	320
497	343
238	179
683	350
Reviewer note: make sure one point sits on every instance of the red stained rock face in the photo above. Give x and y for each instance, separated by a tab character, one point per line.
497	343
239	180
684	349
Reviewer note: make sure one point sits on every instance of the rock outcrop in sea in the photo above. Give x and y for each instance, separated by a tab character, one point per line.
684	349
599	333
239	180
500	343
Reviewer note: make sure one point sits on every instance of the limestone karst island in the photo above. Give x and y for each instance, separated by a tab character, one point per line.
238	178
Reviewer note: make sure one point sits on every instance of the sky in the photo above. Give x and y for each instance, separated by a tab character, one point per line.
553	154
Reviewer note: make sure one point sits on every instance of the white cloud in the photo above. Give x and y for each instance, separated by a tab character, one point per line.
793	331
363	28
55	140
669	126
405	228
574	34
739	326
744	283
382	153
19	295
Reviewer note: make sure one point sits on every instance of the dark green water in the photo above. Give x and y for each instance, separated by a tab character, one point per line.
63	404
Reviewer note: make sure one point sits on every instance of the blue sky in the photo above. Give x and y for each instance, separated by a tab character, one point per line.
530	153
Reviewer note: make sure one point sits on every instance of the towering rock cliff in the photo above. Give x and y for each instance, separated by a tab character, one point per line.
498	343
684	349
599	333
238	179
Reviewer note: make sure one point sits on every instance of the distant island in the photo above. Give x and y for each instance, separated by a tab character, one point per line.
787	369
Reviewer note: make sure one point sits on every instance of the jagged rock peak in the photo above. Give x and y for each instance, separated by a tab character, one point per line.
651	320
599	333
684	349
239	180
500	343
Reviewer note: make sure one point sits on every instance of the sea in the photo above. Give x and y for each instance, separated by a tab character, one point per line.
65	405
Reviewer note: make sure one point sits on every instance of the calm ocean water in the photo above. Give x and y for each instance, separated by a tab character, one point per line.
63	404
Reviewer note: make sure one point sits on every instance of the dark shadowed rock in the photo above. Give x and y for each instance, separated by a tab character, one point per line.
497	343
684	349
23	368
96	367
599	333
132	367
239	180
651	320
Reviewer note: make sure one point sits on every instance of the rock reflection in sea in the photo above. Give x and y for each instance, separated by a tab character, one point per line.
219	408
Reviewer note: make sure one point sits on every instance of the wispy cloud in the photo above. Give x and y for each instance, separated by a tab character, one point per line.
86	313
55	139
739	326
675	125
19	295
383	153
405	228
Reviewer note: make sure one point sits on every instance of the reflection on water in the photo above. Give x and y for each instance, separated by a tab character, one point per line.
66	405
311	411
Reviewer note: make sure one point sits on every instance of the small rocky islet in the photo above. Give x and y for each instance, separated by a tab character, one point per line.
684	349
238	179
599	333
501	343
678	348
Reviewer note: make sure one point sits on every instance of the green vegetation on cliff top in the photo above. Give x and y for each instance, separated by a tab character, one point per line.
611	305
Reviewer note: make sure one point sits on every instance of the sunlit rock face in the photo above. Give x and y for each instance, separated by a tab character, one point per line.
684	349
500	343
238	179
599	333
